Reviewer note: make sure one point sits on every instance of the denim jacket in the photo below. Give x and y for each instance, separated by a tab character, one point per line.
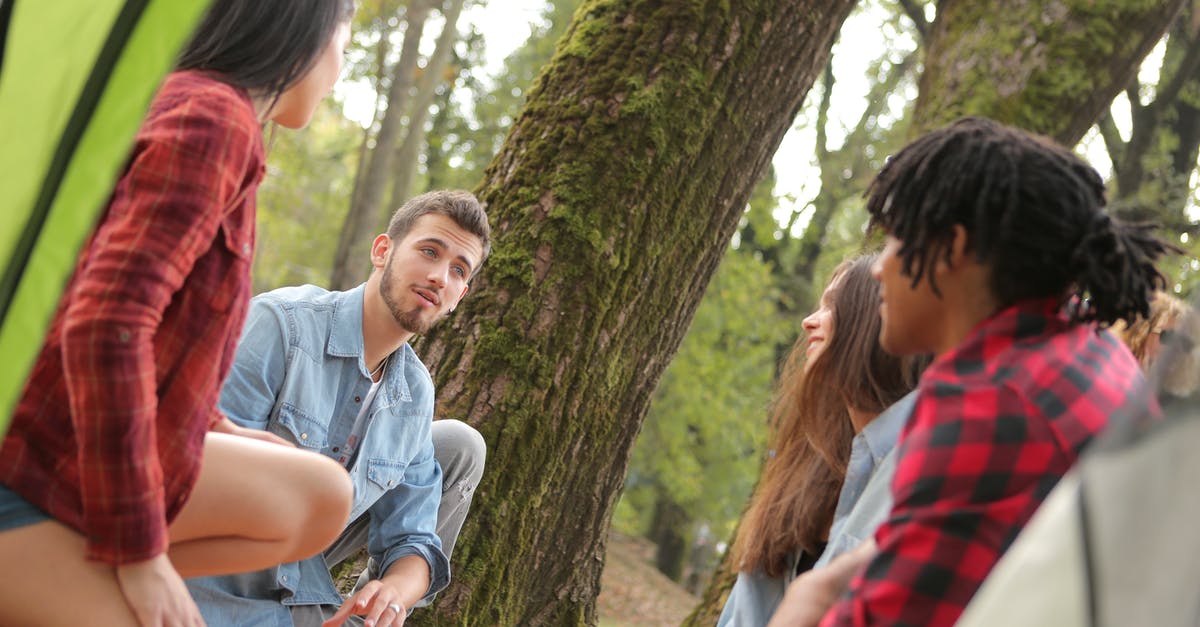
863	503
299	372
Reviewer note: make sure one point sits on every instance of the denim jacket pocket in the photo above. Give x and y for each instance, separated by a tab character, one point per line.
385	473
303	429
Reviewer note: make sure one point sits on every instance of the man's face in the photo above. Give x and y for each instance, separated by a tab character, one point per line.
425	274
911	316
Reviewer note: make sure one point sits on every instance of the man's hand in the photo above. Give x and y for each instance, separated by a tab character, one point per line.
813	593
380	603
385	601
225	425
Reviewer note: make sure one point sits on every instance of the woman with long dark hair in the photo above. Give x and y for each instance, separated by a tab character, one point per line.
836	382
104	502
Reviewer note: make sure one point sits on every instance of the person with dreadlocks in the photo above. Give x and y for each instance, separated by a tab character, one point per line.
1001	261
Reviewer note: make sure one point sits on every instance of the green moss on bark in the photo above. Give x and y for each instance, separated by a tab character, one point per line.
1051	67
612	201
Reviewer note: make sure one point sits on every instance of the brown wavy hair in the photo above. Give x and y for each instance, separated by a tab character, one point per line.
793	505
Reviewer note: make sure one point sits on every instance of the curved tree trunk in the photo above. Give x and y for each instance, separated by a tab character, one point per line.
1049	66
612	201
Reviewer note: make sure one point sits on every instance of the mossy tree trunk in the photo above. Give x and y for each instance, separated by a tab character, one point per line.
1050	66
612	202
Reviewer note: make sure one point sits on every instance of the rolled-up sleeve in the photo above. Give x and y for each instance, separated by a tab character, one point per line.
404	521
188	167
253	384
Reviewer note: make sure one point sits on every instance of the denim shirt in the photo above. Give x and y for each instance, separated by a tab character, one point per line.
865	497
299	373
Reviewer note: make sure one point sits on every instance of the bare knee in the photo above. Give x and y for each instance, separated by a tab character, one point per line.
326	494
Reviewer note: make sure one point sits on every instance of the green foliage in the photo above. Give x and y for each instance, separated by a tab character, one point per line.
310	173
703	438
467	130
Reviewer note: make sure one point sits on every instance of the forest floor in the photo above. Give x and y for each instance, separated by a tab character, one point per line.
632	591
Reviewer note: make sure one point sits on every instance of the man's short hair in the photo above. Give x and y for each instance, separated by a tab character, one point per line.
458	205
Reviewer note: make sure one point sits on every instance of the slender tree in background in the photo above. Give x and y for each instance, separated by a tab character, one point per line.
433	76
350	264
613	199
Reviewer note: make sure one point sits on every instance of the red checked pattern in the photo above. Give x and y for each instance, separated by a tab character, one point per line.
997	422
108	433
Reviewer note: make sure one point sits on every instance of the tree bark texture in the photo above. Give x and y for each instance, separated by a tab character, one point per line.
612	201
351	259
1049	66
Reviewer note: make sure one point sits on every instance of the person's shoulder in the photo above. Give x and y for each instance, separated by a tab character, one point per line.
292	297
198	104
203	87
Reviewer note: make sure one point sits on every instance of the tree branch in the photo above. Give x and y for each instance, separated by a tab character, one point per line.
917	15
822	148
1135	98
1112	140
1189	68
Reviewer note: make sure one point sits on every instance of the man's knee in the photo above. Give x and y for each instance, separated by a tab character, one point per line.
461	452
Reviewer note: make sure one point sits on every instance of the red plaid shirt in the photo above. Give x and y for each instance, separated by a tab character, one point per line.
108	434
997	422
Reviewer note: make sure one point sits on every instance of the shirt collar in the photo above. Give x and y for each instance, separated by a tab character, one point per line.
345	336
880	434
1031	318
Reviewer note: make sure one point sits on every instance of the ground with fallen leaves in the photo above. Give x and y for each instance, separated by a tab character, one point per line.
634	593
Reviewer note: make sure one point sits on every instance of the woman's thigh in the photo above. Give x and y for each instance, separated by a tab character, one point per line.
45	580
253	489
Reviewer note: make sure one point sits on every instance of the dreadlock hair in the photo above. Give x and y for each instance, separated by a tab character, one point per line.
1032	210
793	505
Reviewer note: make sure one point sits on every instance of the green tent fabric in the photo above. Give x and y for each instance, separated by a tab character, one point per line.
76	79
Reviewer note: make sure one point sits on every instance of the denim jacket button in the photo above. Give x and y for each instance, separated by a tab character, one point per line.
303	436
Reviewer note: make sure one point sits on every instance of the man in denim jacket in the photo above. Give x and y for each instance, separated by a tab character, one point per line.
332	372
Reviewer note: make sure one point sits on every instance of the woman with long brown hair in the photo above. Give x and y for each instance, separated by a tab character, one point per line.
836	382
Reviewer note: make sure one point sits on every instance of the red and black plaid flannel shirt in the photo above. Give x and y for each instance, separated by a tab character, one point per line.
997	422
108	434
